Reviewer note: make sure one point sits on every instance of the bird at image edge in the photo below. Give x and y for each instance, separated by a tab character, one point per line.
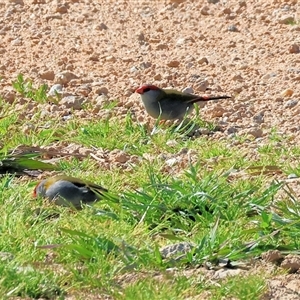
169	104
69	191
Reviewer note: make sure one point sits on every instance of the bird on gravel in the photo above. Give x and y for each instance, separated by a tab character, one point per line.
69	191
169	104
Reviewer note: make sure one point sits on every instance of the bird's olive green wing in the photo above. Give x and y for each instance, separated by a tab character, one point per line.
190	98
98	188
82	183
179	96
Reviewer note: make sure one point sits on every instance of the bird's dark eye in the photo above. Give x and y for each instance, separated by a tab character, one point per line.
146	90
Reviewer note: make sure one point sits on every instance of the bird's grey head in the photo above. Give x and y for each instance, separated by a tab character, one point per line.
40	189
149	93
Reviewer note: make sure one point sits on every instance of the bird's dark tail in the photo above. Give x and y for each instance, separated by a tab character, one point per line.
208	98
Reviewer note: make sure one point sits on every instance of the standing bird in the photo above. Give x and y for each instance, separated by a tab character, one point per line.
69	191
168	104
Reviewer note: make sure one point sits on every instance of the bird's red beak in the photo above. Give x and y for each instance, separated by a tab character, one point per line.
139	90
34	191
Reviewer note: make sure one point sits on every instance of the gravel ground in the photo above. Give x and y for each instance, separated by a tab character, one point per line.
97	51
247	49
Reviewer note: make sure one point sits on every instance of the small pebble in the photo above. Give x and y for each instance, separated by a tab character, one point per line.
134	69
103	90
121	157
291	263
272	256
294	48
74	102
176	249
292	176
62	9
287	93
259	117
232	28
203	131
101	101
188	90
161	46
204	11
172	161
64	77
202	60
157	77
237	77
202	85
55	89
173	63
286	19
291	103
171	143
101	26
110	58
232	129
227	11
256	132
47	74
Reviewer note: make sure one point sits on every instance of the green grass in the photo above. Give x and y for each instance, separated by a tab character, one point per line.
26	89
212	198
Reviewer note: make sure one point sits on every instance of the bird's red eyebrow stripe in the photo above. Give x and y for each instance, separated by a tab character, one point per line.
34	191
142	88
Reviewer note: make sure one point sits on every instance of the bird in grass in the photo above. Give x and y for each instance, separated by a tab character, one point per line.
169	104
69	191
